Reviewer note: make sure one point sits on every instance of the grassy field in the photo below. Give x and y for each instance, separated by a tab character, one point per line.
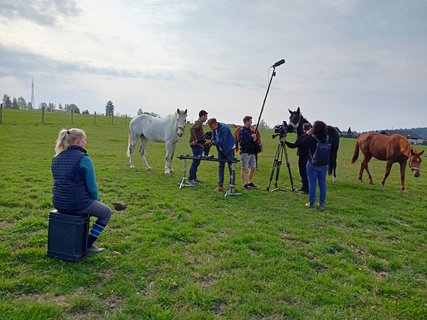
194	254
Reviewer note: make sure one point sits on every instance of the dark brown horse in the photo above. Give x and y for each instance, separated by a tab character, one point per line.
296	121
394	148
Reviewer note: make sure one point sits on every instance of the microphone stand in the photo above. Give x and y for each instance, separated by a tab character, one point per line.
265	98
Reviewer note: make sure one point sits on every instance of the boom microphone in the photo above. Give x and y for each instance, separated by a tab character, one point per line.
278	63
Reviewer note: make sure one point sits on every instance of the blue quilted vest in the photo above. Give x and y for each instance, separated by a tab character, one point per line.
69	184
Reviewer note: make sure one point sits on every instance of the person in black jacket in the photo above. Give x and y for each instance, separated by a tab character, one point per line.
316	174
302	157
247	140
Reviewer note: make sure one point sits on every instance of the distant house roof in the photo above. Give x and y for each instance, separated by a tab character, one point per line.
406	133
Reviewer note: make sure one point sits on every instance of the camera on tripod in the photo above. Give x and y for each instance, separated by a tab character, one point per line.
202	141
280	130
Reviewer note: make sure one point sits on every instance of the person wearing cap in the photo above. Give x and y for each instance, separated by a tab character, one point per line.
247	140
225	144
196	137
303	154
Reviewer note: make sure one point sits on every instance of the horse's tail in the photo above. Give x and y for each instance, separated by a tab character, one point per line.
335	143
356	152
236	138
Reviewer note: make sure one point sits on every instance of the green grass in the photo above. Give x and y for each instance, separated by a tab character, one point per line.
194	254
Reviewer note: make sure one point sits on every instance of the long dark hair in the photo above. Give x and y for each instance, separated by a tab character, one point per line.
319	128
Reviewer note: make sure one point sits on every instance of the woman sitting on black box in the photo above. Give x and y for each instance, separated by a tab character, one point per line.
74	183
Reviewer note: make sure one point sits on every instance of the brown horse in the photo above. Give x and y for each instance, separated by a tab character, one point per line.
236	137
394	148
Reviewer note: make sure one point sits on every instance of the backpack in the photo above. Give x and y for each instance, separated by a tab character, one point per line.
321	155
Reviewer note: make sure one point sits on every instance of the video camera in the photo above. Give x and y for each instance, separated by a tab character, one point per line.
202	140
280	130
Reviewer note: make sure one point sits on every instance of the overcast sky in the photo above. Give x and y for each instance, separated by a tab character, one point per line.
359	64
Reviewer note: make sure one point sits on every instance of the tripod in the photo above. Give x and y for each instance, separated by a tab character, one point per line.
278	158
184	181
231	190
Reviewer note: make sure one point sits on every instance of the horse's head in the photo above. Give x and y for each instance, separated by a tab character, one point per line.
296	120
415	162
181	121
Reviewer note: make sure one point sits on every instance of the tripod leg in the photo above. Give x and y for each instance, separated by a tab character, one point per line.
289	168
279	163
276	156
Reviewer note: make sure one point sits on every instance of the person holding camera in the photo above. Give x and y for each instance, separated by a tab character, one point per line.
302	157
247	140
225	144
74	183
197	144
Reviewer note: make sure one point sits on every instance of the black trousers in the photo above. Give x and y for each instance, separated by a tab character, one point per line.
302	165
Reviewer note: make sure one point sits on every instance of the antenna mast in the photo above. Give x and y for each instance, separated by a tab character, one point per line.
32	93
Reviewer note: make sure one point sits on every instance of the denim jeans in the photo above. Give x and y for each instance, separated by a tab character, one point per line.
317	175
222	156
197	152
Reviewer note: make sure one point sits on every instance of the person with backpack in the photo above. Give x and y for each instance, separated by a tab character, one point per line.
317	143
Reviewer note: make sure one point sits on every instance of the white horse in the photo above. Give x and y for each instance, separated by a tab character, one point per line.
167	129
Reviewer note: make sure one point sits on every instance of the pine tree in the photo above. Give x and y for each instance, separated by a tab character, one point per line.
109	108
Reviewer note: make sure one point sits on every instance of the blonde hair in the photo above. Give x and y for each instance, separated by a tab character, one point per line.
67	138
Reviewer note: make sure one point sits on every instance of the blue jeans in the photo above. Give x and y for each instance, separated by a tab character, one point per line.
222	156
197	152
317	175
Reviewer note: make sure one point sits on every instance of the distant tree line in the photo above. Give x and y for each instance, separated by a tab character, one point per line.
21	104
149	113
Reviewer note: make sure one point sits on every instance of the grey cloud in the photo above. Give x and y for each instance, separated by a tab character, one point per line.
20	63
43	12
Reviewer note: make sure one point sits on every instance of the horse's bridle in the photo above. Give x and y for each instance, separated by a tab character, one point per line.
411	166
295	126
178	127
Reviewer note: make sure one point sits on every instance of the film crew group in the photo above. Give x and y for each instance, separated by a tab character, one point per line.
75	191
316	143
248	144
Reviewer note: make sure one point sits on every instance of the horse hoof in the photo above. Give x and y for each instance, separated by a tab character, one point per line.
132	166
148	168
167	173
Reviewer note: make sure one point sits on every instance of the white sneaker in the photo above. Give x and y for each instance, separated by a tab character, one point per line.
95	249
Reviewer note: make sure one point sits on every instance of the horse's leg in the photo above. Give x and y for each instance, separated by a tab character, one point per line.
133	140
402	175
170	150
387	171
366	160
144	142
333	170
364	166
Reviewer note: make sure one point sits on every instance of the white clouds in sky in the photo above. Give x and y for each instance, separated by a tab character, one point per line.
344	59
